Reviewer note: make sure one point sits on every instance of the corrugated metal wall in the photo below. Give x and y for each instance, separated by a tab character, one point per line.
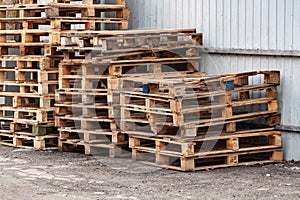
245	24
249	24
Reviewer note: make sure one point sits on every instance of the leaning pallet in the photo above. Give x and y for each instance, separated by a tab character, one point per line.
195	123
86	96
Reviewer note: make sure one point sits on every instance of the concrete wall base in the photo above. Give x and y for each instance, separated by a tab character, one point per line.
291	146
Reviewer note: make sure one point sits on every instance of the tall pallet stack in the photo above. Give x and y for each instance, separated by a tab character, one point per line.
82	112
202	122
29	72
88	103
30	34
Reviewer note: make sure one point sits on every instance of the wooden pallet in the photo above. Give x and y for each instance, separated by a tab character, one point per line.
63	10
162	128
208	162
29	87
33	129
28	115
31	62
129	41
47	142
83	123
207	145
64	23
145	66
245	147
68	2
190	110
196	101
39	137
28	100
27	49
106	150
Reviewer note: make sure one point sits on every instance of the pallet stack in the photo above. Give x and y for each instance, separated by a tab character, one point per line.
29	36
191	123
72	102
29	72
88	110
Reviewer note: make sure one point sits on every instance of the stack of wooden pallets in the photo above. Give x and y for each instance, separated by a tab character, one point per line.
29	36
29	72
88	101
197	122
72	104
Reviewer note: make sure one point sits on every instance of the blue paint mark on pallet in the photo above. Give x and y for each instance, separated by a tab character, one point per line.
146	89
230	85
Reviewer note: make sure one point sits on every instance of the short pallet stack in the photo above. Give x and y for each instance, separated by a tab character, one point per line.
191	123
88	110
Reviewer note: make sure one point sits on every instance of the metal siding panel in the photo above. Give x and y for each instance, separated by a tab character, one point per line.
265	25
289	25
281	24
249	24
199	17
257	24
294	91
192	20
290	144
234	24
272	24
206	22
227	24
166	14
242	23
296	24
172	18
220	25
179	14
213	23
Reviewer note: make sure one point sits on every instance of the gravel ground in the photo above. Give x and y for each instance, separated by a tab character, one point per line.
56	175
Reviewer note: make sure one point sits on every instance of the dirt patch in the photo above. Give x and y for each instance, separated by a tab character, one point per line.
56	175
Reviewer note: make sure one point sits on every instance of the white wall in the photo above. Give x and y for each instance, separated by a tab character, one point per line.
249	24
